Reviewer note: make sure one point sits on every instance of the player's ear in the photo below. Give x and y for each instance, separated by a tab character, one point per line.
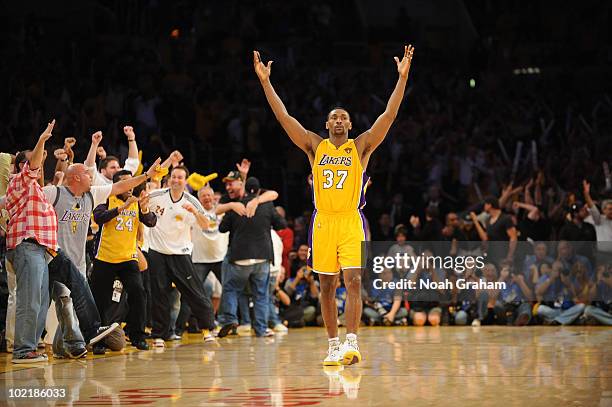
327	125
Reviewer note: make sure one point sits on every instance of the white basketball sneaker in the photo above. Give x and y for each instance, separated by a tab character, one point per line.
334	354
350	351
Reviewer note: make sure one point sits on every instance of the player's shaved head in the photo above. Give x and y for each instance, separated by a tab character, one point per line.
338	110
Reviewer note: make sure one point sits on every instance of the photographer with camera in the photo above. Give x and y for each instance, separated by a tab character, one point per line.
304	292
559	293
601	302
513	307
384	306
469	306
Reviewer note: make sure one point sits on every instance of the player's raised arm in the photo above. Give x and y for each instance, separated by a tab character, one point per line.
369	140
304	139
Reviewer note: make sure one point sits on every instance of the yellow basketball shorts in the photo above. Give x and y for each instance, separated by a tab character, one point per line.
335	241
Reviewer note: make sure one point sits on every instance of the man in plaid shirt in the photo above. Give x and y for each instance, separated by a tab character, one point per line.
32	230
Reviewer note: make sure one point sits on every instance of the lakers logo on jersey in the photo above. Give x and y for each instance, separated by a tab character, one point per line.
74	215
327	160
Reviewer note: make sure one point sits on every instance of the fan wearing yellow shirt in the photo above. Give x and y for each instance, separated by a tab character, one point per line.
117	257
337	226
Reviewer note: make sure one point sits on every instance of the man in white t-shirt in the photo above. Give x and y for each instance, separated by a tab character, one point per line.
109	165
602	221
209	249
170	248
209	245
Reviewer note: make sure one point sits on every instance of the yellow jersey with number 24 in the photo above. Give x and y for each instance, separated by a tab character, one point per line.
118	236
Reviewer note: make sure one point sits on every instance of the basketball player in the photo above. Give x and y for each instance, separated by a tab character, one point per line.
337	225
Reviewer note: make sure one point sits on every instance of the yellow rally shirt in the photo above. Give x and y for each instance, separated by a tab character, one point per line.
118	236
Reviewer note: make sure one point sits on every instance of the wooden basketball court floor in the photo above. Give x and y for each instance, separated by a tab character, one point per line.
460	366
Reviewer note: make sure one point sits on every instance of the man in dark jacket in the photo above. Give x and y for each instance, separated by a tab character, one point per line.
249	256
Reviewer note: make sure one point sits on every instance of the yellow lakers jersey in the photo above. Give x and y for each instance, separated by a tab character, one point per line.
118	236
339	181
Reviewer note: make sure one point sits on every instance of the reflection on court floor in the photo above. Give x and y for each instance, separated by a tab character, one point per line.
420	366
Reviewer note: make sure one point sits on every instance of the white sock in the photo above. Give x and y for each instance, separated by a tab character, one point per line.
333	340
351	337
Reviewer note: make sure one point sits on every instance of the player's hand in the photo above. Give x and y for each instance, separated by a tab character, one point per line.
403	66
153	168
60	154
263	71
96	138
48	132
251	207
69	142
129	132
101	152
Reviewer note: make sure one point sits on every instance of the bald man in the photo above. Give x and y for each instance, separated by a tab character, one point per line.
74	203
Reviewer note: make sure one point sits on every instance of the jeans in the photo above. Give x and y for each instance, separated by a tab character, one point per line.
603	317
32	295
372	314
244	308
235	280
11	305
273	317
483	301
564	317
68	336
63	270
510	313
